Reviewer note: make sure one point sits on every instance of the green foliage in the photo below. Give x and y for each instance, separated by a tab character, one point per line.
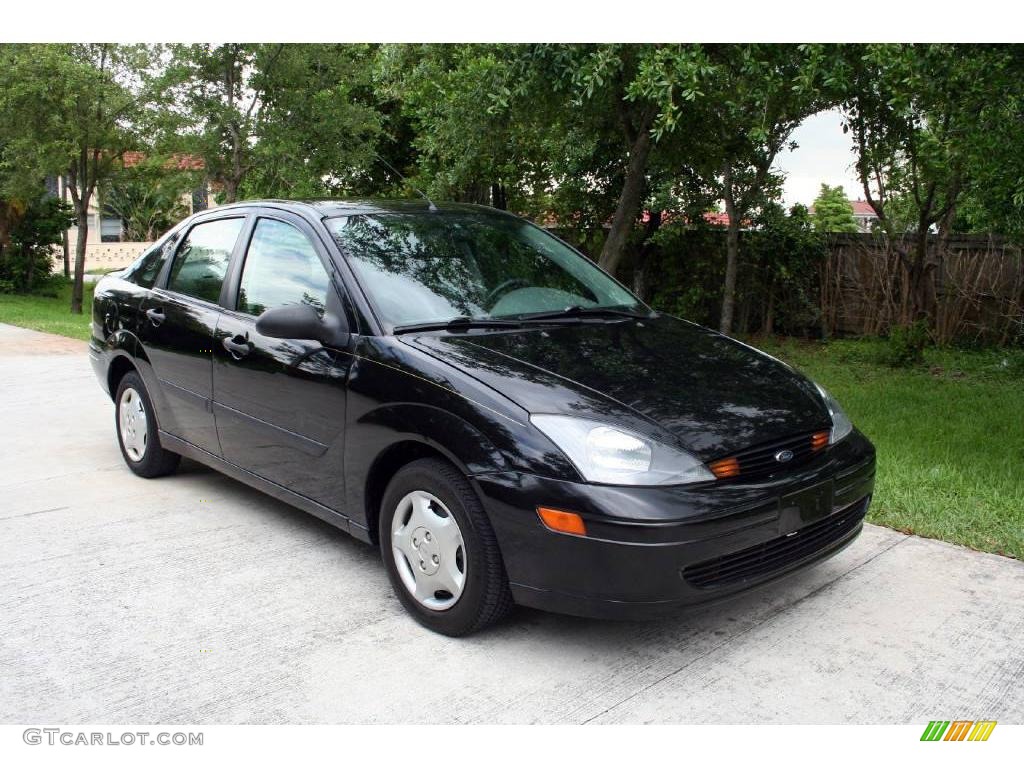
607	141
271	119
74	109
832	211
778	289
149	198
748	100
29	256
907	345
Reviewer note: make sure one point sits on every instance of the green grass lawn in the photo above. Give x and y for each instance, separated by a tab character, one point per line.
50	313
950	436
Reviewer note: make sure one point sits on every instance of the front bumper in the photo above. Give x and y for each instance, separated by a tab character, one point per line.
649	551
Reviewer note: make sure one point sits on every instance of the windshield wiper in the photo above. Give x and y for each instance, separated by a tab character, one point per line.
577	311
460	323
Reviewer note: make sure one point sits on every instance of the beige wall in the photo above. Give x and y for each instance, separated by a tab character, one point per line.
105	255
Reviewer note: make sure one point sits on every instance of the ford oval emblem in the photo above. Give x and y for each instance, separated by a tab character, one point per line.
782	456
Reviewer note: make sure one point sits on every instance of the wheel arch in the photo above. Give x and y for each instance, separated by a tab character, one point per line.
387	464
120	365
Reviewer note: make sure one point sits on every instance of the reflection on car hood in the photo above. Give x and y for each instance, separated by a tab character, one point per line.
714	394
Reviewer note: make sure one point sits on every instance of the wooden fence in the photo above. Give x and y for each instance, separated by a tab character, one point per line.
975	287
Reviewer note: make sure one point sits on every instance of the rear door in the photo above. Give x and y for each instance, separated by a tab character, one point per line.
280	403
177	324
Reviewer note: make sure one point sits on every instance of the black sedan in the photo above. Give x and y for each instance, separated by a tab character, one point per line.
458	386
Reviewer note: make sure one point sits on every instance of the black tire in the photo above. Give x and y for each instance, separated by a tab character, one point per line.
155	461
486	597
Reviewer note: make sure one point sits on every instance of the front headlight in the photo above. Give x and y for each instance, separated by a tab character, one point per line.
605	454
841	424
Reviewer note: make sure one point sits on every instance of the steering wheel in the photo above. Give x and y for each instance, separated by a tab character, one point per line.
495	293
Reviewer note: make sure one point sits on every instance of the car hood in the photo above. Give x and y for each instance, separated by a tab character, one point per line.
714	394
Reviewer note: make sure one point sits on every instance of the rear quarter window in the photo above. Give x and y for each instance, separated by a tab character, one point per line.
144	270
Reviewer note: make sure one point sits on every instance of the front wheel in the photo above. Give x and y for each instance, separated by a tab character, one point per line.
137	430
440	550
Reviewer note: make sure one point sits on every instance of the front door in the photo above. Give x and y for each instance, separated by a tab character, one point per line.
280	403
176	328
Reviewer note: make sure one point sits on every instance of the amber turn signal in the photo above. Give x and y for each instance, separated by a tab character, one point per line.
723	468
563	522
819	440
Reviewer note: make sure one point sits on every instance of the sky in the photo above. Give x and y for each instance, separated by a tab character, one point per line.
824	155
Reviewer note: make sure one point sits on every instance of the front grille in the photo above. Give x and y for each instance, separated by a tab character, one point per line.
776	554
760	461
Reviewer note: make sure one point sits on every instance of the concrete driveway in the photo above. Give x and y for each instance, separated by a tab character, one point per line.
193	599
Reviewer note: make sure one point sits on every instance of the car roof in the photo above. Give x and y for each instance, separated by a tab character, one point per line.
327	208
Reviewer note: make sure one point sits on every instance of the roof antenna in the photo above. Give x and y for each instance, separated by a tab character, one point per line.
430	203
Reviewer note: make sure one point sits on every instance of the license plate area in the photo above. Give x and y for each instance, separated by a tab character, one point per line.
802	507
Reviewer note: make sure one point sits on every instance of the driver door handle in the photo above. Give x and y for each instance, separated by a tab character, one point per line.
156	316
238	347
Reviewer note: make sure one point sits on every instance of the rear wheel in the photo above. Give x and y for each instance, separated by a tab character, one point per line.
137	430
440	550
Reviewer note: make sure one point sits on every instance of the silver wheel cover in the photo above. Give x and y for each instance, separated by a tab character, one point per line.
133	424
429	552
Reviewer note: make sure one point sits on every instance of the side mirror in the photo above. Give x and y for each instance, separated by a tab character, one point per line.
301	321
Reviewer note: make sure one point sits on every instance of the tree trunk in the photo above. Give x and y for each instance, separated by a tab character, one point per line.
769	314
64	236
643	256
629	202
732	251
498	198
230	190
30	267
67	254
83	234
915	307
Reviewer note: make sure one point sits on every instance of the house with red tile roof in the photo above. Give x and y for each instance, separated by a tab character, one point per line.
104	227
864	215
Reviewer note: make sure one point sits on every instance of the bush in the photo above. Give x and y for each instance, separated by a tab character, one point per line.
28	258
777	291
907	344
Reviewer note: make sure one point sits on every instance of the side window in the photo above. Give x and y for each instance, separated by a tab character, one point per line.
281	267
202	259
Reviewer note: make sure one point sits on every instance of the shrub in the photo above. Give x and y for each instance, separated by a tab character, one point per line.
28	258
907	344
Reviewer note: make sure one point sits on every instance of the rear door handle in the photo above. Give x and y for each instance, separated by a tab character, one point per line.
237	349
155	315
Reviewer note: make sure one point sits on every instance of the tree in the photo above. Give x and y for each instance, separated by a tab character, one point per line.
832	211
30	256
318	128
994	201
610	87
912	111
83	101
465	145
271	119
554	129
25	159
215	107
752	97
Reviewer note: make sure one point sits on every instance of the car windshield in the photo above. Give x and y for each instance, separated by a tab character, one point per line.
431	268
